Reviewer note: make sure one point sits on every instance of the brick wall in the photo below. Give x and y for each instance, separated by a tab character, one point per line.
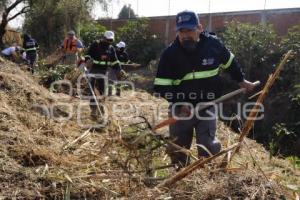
282	19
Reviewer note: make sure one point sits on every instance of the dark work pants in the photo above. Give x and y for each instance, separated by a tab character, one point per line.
98	83
31	59
113	82
182	132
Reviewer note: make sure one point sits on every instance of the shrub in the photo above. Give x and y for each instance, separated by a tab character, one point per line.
142	45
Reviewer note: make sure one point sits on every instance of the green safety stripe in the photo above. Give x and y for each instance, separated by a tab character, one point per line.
189	76
31	49
198	75
88	56
104	62
228	62
101	62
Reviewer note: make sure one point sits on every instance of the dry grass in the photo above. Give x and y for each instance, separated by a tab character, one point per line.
43	158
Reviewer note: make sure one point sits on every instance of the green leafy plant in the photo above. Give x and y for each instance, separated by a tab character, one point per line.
54	74
142	45
258	49
255	46
91	31
295	161
281	136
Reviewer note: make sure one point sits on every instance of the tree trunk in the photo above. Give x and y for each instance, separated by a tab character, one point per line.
3	25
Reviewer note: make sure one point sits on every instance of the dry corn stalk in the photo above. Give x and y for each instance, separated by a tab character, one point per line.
192	167
253	114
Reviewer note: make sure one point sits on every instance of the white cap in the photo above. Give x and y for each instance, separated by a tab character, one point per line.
121	44
71	32
109	35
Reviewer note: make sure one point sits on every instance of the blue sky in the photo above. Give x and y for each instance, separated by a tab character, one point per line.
149	8
161	7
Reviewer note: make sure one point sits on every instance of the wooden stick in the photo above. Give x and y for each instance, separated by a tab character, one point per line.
86	133
256	94
192	167
253	114
182	149
173	120
131	65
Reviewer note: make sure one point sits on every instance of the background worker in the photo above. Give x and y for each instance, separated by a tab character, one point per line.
100	57
11	53
121	53
71	47
190	67
30	46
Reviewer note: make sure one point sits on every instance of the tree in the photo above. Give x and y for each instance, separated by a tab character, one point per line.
7	8
258	49
91	31
142	45
50	20
253	46
126	12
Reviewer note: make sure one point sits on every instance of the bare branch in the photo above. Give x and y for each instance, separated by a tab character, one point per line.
12	6
23	11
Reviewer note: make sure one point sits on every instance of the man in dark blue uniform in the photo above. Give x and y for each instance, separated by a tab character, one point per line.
30	46
188	73
121	53
101	56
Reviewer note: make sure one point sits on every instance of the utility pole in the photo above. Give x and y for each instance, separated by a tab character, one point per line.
129	8
167	25
112	12
264	15
209	17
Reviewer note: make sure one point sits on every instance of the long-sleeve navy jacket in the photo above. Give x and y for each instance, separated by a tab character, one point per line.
194	77
103	56
29	44
123	57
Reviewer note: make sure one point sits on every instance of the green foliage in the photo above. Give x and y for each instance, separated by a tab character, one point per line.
258	49
48	76
295	161
290	81
126	13
91	31
253	45
49	21
142	45
291	40
280	137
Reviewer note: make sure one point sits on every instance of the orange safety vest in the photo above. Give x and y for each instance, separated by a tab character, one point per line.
70	46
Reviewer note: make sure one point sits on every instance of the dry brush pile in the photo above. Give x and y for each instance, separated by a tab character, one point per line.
43	156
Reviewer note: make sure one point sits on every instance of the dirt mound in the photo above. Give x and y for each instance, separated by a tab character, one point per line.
46	155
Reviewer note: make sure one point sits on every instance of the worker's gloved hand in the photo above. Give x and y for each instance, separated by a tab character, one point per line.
249	86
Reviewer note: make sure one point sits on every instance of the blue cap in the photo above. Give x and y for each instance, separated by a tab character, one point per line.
187	19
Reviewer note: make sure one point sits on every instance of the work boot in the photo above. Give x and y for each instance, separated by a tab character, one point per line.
118	91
